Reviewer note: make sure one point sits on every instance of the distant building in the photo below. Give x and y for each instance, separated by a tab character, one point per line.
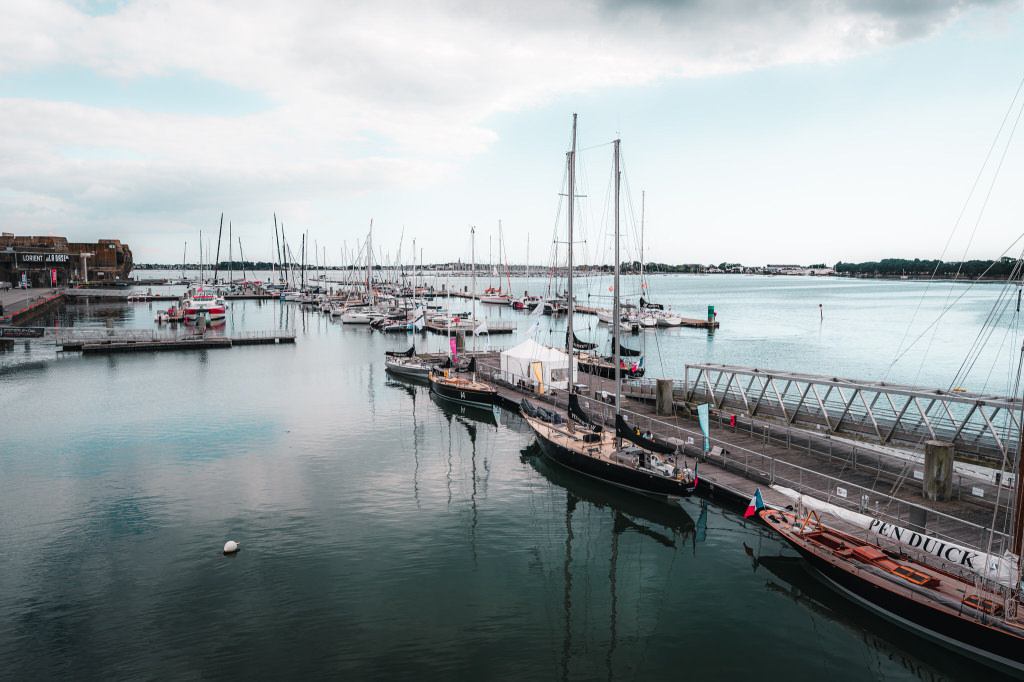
44	261
797	270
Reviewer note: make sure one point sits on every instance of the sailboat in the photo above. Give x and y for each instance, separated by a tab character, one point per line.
975	609
492	295
457	387
642	466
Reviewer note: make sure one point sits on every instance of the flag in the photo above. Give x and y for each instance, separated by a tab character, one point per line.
536	312
755	503
702	416
417	319
638	365
534	328
695	474
455	352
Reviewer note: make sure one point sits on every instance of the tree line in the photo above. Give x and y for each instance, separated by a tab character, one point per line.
898	267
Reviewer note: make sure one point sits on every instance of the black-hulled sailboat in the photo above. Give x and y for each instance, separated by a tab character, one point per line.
645	465
461	387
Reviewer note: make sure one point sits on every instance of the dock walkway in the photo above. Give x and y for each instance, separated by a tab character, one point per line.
754	454
139	340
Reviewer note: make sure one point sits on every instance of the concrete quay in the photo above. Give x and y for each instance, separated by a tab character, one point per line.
18	306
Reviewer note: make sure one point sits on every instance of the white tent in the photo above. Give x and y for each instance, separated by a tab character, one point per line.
541	367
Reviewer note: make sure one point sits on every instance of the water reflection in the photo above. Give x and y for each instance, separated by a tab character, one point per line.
667	525
792	579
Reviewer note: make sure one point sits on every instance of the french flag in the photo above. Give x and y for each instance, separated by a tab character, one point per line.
755	503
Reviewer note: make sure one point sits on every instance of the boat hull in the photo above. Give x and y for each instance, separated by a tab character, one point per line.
969	636
412	372
465	396
607	371
629	479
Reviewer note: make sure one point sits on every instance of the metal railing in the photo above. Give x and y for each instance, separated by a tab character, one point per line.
765	468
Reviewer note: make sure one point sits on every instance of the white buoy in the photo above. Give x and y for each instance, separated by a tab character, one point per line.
230	547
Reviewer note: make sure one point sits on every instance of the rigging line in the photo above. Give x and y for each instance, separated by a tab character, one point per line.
999	487
986	330
1005	301
945	310
963	210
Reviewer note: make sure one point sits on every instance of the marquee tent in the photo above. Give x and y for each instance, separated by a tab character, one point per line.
539	366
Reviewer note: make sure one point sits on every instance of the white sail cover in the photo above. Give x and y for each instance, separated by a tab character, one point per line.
1000	569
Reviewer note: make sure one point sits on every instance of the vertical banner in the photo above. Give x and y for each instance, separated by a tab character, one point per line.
538	373
455	352
53	276
702	415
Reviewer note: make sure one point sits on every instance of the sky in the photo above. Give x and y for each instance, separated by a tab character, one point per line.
751	132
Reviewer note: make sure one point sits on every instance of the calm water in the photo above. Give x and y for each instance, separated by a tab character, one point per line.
386	536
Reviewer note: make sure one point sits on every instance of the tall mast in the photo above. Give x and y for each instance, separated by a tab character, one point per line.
504	257
231	259
472	301
216	264
369	252
277	239
572	200
643	196
1018	508
184	255
200	258
615	305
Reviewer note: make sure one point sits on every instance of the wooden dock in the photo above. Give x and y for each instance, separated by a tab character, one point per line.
492	328
88	341
686	321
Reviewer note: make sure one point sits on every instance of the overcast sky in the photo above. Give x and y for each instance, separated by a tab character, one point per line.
761	132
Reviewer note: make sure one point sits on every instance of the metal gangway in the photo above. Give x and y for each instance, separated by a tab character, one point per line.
979	425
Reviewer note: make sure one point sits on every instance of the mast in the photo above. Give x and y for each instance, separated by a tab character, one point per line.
472	301
216	265
200	258
241	257
231	259
572	200
369	252
277	239
616	311
643	196
302	278
503	255
184	255
1018	510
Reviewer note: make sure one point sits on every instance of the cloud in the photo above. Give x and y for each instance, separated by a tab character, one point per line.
366	96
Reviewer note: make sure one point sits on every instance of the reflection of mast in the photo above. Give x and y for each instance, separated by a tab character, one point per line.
415	453
570	505
471	428
612	639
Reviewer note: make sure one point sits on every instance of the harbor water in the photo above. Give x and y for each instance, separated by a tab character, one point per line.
386	535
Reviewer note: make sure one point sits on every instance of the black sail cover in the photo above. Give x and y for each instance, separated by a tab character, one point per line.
401	353
625	352
652	306
632	434
579	345
577	414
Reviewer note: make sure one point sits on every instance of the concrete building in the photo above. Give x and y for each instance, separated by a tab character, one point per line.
45	261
